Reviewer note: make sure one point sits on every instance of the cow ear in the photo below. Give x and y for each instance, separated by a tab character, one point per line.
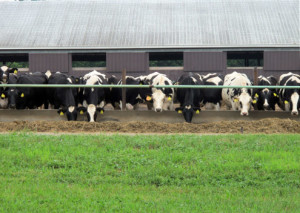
3	95
148	98
61	112
179	110
197	109
13	70
100	109
81	110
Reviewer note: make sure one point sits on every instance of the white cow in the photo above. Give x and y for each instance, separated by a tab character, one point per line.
234	98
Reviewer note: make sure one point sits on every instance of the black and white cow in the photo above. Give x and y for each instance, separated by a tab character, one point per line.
265	99
4	101
63	99
189	98
212	97
5	73
237	98
28	97
94	98
161	98
289	98
134	96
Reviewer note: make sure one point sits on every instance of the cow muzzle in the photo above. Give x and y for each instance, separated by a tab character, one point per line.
158	110
12	106
244	113
294	113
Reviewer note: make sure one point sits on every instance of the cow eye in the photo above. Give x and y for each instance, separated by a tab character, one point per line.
241	104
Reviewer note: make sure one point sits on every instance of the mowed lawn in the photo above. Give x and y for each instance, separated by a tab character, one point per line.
149	173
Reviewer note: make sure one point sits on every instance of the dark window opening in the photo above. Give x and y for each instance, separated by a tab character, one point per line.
14	60
89	60
166	59
245	59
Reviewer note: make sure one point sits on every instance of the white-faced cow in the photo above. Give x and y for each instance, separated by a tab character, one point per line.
265	99
237	98
289	98
94	98
212	97
63	99
189	98
161	98
28	97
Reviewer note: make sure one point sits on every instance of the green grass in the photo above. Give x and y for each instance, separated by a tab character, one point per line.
171	173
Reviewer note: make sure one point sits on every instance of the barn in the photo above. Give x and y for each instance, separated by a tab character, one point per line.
143	36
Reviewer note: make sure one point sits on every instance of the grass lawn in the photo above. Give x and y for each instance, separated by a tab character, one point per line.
165	173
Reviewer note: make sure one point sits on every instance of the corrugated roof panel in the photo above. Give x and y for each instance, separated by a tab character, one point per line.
149	24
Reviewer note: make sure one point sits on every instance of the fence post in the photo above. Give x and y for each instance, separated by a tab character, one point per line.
255	76
123	90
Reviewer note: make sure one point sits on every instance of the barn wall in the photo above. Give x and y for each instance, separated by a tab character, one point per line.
132	62
282	61
41	62
204	61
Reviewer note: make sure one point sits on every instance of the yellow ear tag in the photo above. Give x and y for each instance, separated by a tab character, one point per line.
286	102
236	100
179	111
101	112
256	95
81	112
197	112
16	72
275	94
148	98
169	99
254	101
2	95
61	113
22	95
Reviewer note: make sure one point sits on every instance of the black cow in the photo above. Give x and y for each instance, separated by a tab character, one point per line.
212	97
63	98
189	98
94	98
28	97
265	99
289	98
134	96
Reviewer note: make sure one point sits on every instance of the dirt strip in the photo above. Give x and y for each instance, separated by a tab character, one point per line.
268	126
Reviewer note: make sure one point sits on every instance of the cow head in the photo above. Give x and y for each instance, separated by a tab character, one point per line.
4	74
292	100
265	99
70	111
13	95
243	102
188	112
160	99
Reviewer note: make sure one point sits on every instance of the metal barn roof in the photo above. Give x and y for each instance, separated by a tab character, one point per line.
112	24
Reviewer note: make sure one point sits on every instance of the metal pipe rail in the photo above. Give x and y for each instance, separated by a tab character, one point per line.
144	86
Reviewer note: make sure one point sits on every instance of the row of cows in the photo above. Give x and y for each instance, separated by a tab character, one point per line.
91	101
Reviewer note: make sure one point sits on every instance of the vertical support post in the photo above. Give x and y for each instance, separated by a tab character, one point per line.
123	90
255	76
